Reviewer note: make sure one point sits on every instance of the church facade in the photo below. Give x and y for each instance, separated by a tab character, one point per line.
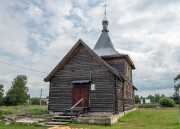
99	80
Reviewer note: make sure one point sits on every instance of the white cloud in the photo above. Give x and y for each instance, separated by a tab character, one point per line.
38	34
13	34
60	46
61	8
35	13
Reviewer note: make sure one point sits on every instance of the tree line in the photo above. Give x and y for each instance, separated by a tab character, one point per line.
153	98
18	93
157	97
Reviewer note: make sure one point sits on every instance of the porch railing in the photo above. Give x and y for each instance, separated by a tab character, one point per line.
80	101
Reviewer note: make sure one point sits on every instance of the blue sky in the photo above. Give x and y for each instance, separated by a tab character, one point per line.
37	34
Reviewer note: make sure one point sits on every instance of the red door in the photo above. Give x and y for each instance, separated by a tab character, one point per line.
79	92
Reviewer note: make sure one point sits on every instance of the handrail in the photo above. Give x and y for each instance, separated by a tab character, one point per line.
77	103
81	100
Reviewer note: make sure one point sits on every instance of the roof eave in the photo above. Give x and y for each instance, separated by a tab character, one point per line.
64	60
135	88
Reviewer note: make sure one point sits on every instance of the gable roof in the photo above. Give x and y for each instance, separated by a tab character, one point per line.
68	56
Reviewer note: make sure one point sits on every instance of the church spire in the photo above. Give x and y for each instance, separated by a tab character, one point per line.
104	45
105	20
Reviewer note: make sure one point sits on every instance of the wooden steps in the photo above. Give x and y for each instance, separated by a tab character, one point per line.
66	117
56	123
59	120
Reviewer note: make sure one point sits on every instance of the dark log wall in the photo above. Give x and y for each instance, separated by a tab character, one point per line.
126	101
128	96
79	67
125	95
120	95
128	71
117	63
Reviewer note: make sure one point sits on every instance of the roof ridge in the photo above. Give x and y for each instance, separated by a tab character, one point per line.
71	53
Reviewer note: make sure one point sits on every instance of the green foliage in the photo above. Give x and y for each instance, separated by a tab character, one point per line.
1	90
147	106
152	98
137	99
36	101
3	100
176	93
176	89
17	94
167	102
1	94
162	96
5	112
157	98
177	78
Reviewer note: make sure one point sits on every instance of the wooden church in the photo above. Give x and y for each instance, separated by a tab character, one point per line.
99	80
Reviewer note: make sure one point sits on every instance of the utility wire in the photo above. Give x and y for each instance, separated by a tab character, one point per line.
136	78
133	79
150	80
23	67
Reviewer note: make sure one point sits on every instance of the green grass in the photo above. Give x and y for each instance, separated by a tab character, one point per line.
145	119
32	110
20	126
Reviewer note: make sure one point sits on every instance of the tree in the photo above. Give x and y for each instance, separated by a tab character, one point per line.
177	78
176	89
162	96
1	94
152	98
157	98
18	93
1	90
137	99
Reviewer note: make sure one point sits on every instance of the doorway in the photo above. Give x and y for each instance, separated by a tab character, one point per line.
81	91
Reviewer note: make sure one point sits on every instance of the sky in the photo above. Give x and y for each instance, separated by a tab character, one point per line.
37	34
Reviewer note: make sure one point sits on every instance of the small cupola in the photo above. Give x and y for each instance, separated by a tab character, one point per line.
104	45
105	22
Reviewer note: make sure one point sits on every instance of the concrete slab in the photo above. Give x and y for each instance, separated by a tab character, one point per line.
29	120
101	117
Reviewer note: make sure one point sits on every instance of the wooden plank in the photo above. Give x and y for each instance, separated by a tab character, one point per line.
79	67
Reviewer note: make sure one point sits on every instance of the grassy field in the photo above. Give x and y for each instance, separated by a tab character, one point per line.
33	109
145	119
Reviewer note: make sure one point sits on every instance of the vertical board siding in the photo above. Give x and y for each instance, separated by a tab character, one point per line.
79	67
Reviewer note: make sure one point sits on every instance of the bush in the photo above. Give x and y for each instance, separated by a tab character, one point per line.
167	102
36	101
147	106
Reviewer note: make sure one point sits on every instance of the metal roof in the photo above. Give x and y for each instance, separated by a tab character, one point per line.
104	45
